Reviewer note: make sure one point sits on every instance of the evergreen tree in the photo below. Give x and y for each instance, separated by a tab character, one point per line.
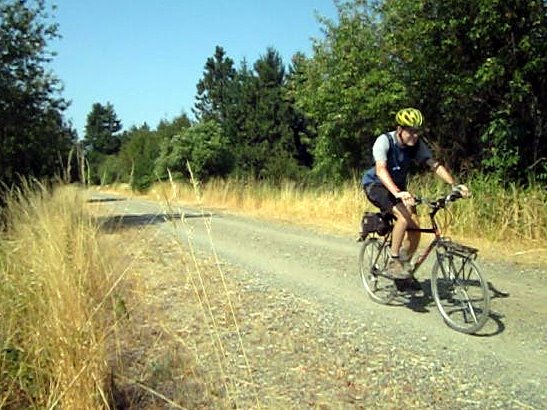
303	131
215	88
101	130
239	115
270	144
35	140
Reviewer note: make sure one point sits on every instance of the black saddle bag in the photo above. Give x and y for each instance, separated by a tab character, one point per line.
375	222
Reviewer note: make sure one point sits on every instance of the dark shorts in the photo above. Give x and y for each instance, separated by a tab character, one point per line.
380	197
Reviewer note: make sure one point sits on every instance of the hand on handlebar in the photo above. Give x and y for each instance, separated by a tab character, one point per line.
462	190
406	197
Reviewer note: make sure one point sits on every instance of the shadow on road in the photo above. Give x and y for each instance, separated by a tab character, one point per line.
110	199
423	302
117	222
495	325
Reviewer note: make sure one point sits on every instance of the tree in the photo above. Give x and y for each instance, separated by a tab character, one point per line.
202	146
347	90
304	133
168	136
167	129
215	88
138	155
35	140
477	69
101	130
270	143
253	112
210	155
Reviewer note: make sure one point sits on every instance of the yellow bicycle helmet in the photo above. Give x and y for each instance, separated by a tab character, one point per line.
409	117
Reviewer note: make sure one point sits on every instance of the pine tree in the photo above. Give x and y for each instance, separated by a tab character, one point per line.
215	88
101	131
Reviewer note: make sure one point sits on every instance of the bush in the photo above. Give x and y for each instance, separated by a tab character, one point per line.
203	146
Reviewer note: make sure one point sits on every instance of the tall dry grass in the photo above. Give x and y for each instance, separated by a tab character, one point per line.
336	209
508	219
55	302
67	338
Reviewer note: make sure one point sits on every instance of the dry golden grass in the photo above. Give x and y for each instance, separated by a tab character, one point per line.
74	332
83	323
337	210
507	223
56	298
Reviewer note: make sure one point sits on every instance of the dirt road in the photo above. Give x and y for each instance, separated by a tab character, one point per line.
506	363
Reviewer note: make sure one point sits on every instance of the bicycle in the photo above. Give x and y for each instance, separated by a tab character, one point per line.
457	285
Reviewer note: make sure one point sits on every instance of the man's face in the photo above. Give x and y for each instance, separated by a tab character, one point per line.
409	136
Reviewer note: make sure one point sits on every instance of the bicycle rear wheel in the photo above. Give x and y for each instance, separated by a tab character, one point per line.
460	292
373	259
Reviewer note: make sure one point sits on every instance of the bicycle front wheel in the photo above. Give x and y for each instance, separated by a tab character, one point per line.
460	292
373	259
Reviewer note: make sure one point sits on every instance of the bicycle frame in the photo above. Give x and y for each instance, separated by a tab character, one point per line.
434	229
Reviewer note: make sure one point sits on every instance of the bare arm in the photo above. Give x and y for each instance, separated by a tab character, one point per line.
441	171
385	177
447	177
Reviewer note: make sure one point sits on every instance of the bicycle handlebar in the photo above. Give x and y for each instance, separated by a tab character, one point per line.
439	203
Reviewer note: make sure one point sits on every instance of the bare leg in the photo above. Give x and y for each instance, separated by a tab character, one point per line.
412	239
406	218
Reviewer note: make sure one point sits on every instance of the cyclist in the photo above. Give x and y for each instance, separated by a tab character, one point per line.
385	184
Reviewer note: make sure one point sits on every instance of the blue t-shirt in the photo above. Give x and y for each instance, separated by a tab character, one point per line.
398	158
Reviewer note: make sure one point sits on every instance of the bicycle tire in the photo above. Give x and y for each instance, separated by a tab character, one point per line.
373	258
460	292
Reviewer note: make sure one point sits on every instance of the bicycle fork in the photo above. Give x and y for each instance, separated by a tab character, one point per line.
455	276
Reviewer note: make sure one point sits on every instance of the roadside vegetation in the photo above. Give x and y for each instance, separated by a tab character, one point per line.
83	323
504	221
57	300
89	322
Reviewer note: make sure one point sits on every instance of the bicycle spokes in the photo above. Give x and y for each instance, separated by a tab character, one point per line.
373	259
460	292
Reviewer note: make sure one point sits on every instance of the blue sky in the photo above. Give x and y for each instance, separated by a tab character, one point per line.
146	56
